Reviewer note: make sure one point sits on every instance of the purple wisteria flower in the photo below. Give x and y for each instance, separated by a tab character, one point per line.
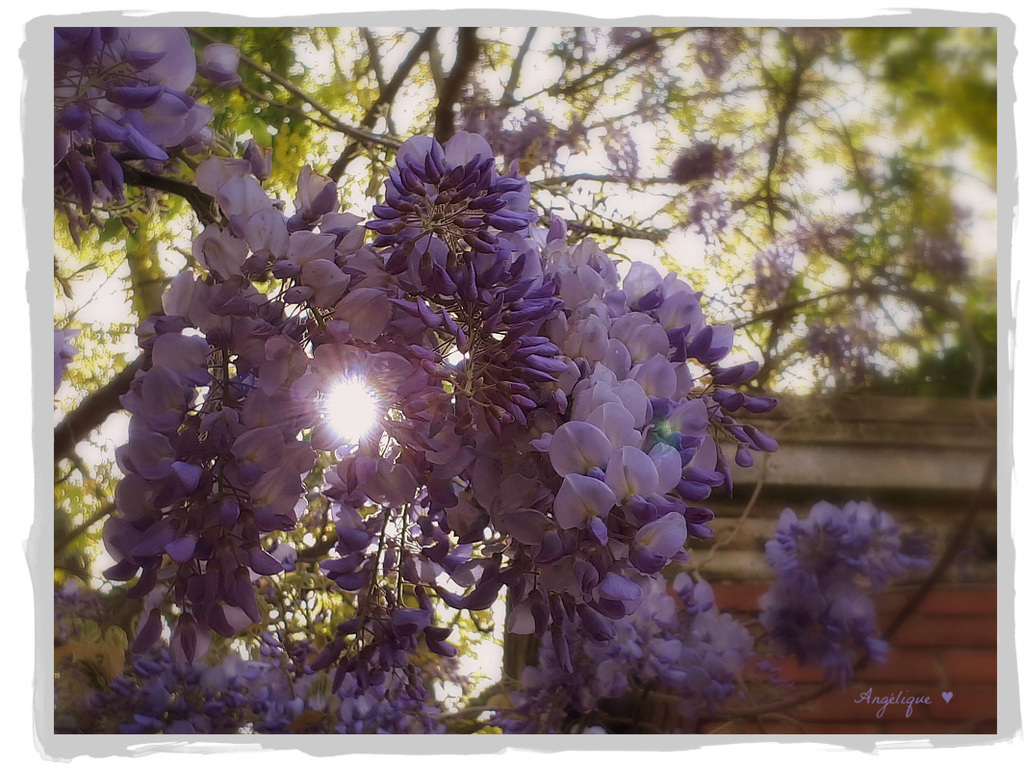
676	643
219	64
773	272
121	95
448	202
847	344
703	162
528	140
622	152
276	693
63	351
697	167
828	565
533	424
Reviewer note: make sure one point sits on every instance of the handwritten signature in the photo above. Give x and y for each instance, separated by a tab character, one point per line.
893	698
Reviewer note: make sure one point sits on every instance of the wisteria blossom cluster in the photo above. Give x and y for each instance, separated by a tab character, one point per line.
846	344
262	696
273	691
676	645
121	94
828	566
698	167
539	427
528	139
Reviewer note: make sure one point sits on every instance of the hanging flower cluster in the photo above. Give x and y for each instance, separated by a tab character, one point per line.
828	565
676	644
267	695
531	423
121	95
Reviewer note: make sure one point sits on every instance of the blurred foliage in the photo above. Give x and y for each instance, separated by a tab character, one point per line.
941	82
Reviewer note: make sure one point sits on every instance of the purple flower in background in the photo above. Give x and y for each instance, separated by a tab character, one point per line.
529	140
63	351
715	49
773	272
698	167
703	161
942	252
622	152
819	609
847	347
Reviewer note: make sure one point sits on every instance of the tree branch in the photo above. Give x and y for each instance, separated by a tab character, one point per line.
387	95
791	99
465	58
436	71
94	410
508	96
59	546
373	53
617	229
561	181
202	203
329	121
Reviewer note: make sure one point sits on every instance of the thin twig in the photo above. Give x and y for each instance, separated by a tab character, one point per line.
373	53
387	95
363	136
560	181
791	99
618	229
724	542
329	121
638	45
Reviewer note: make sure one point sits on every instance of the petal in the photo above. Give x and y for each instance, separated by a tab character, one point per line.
577	446
641	279
664	536
631	472
463	147
617	423
580	498
669	465
657	376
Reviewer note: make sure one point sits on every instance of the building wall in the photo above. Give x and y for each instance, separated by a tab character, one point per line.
923	461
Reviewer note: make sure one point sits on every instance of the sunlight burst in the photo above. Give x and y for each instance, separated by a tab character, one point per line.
352	408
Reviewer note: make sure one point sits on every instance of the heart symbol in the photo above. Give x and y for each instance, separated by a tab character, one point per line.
947	695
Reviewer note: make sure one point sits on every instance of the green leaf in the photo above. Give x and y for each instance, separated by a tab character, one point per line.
260	133
114	228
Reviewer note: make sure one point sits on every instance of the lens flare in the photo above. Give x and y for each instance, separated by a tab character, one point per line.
351	408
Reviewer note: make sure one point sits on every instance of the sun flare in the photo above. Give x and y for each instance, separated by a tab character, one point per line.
351	408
